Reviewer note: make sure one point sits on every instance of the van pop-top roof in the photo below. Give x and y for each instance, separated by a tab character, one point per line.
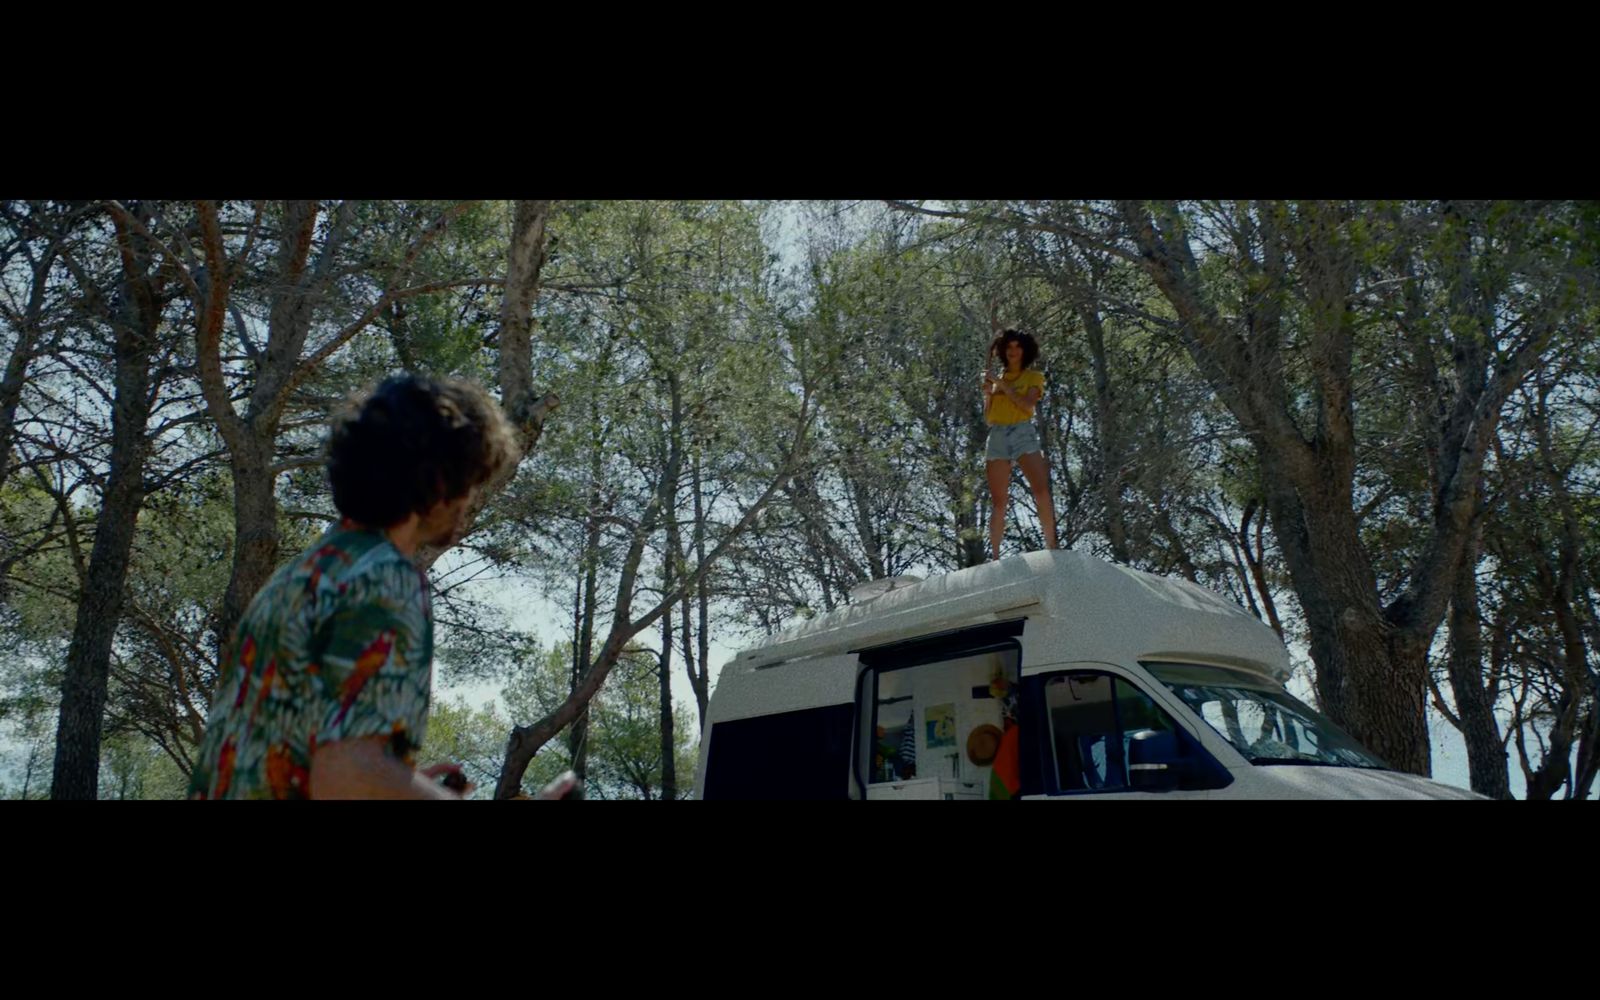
1099	610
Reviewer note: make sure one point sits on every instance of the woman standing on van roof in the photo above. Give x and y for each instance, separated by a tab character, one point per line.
1009	401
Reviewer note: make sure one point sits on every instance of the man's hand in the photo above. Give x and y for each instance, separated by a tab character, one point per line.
450	776
360	769
566	786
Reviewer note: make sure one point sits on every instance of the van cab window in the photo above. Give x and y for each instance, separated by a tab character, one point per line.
1262	720
1093	717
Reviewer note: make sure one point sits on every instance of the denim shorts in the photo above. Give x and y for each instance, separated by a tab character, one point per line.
1011	441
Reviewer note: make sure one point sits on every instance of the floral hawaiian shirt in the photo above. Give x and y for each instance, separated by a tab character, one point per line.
337	645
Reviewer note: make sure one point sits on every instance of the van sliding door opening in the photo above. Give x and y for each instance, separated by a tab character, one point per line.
938	717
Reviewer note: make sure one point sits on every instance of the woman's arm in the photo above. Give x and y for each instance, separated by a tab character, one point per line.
1025	401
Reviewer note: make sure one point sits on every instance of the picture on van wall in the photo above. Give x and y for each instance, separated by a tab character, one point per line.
941	721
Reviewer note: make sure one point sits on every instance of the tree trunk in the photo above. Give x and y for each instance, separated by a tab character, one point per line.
972	527
700	674
27	774
23	352
1557	583
578	743
83	690
1255	558
669	772
1488	766
1107	435
866	533
16	375
670	474
578	737
28	322
255	537
1371	678
1588	745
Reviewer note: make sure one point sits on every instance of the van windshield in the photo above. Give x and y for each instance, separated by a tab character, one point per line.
1264	722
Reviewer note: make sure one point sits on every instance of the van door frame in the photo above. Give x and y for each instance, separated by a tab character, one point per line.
917	651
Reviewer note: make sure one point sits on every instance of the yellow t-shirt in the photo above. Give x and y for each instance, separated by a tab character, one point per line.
1002	410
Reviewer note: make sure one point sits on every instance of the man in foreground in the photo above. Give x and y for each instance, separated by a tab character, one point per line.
325	693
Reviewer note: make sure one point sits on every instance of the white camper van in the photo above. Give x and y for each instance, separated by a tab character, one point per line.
1044	675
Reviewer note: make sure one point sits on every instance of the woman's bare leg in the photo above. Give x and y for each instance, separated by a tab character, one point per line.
999	473
1037	472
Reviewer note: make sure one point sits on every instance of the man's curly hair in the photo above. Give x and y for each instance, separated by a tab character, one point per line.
413	442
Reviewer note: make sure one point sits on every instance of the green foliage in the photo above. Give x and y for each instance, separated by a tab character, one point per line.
624	735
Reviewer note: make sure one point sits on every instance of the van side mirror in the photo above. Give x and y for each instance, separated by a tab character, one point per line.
1155	761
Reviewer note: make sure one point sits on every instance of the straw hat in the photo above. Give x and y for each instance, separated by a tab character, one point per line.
982	745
